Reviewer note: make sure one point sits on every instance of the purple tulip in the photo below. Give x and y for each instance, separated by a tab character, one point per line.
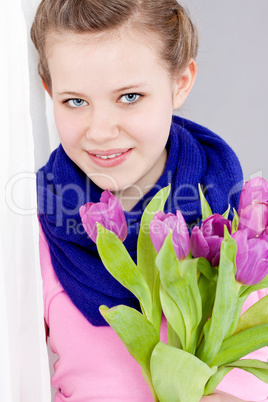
254	218
253	207
251	258
254	189
160	227
206	240
108	212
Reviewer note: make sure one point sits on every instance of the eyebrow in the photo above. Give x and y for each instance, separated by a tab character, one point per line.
129	87
123	89
76	94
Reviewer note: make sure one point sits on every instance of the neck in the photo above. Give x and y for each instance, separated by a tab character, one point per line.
131	195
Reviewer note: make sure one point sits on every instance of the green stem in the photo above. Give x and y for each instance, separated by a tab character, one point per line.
148	378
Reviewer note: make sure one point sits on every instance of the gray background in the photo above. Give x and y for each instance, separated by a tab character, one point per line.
231	88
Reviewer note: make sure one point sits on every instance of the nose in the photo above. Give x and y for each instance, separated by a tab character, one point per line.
102	126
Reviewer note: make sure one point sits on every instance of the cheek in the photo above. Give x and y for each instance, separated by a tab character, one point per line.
152	127
152	119
68	127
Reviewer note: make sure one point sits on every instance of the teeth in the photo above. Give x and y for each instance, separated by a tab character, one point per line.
108	156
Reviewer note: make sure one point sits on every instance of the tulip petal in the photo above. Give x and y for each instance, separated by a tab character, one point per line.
214	243
199	245
162	224
240	238
216	225
254	189
259	273
255	268
105	196
212	230
158	232
93	213
181	245
181	238
247	290
254	218
108	212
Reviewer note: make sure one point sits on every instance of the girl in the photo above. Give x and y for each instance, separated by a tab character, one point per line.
116	70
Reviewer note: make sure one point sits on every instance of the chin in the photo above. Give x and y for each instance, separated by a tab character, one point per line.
104	182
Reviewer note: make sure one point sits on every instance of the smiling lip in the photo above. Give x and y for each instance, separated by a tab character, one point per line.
110	158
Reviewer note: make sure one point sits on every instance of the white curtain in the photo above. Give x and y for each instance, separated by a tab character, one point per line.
25	145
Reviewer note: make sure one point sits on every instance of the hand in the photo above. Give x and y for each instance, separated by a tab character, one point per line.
219	396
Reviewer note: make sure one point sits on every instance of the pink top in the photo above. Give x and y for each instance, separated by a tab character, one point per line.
93	363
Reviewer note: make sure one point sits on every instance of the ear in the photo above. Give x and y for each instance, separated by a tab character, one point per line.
46	88
184	84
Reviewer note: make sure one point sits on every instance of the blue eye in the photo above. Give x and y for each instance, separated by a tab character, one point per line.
130	98
77	102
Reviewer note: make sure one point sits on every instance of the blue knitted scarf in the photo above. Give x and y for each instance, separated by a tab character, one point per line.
195	155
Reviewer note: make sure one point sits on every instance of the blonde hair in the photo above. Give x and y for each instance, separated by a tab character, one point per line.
167	19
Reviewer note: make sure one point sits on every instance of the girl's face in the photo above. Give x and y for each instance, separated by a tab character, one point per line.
113	102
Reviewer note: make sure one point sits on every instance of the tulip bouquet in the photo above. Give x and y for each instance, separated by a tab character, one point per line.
199	281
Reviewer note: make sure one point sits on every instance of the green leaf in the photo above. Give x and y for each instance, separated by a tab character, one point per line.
257	314
255	367
189	272
173	315
146	253
214	381
236	316
205	208
250	363
225	304
177	286
136	332
118	262
207	288
241	344
173	339
235	221
156	308
207	270
207	291
178	376
226	213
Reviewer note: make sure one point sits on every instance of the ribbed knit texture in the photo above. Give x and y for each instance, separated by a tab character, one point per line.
195	155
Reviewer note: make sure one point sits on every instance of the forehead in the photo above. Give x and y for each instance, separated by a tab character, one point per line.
125	34
122	52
